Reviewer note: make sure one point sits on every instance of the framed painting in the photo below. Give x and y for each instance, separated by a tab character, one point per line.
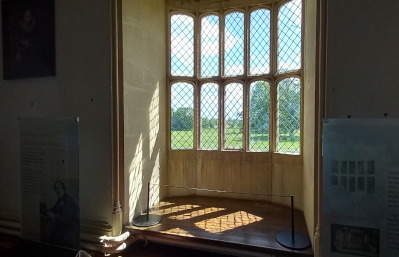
28	39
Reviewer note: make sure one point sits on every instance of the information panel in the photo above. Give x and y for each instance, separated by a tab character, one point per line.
360	188
49	169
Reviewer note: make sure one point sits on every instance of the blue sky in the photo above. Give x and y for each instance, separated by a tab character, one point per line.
182	48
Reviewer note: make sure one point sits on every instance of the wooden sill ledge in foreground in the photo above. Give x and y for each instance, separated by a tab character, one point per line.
231	226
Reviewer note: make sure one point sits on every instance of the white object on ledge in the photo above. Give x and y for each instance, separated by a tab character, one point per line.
117	243
82	253
114	240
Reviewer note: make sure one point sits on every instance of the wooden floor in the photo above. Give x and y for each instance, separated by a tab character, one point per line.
233	226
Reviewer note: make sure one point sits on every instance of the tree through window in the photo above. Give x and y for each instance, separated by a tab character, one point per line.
244	70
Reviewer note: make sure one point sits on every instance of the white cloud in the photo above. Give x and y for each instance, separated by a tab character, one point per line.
231	41
209	48
209	98
211	30
182	44
295	7
298	58
182	95
260	70
210	39
234	70
183	49
185	73
235	91
209	105
181	18
289	66
182	40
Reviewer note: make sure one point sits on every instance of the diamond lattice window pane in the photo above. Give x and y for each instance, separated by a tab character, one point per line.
259	113
289	36
233	116
260	42
209	46
288	115
182	45
234	44
182	116
210	116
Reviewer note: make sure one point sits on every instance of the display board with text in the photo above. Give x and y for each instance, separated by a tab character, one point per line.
49	171
360	188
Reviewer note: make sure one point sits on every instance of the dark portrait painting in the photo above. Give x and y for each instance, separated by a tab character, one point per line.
28	39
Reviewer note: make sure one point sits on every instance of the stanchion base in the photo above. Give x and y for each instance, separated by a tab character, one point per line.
141	221
300	241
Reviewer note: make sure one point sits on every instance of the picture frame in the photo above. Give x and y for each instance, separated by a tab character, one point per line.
28	39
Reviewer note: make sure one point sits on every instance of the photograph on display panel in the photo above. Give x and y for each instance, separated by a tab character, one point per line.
59	222
355	240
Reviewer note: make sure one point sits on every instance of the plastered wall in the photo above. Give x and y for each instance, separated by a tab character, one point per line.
81	87
144	46
362	59
309	99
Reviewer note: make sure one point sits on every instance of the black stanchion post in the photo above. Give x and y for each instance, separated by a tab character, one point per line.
148	200
292	217
147	220
291	239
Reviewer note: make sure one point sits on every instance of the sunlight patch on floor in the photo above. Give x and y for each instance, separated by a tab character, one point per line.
178	231
196	213
174	209
227	222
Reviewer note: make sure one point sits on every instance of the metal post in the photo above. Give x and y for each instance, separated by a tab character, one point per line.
148	201
292	239
292	217
144	219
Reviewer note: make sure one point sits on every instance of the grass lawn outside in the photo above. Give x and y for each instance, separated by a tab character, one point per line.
210	137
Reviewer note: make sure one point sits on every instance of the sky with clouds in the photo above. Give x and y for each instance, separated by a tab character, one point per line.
182	49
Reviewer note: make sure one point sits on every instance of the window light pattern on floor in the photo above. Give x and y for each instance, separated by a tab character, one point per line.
227	222
178	231
173	209
196	213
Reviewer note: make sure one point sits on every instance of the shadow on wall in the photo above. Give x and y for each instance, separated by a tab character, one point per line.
135	178
145	166
154	119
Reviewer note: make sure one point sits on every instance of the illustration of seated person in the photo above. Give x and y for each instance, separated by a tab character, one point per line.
64	219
